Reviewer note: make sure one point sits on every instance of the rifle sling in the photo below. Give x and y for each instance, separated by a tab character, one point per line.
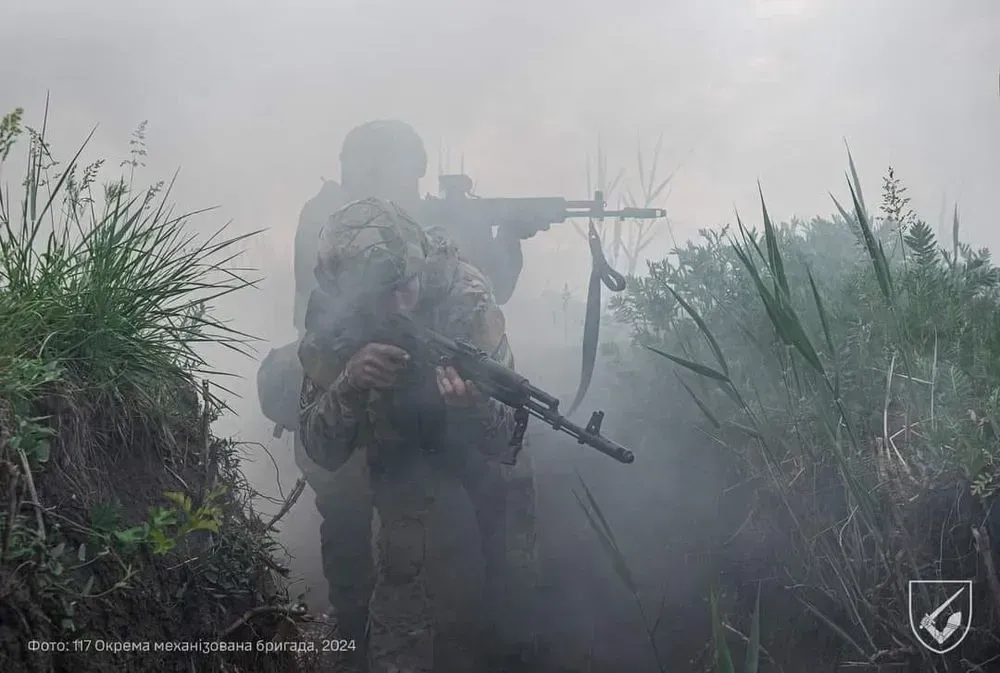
601	273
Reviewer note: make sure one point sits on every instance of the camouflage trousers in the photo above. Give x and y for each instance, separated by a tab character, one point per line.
401	629
346	504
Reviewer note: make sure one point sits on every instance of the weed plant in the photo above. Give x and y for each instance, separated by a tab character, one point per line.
849	369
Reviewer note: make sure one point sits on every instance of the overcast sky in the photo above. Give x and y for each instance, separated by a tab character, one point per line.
252	99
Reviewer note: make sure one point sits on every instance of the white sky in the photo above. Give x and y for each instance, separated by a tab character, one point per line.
252	99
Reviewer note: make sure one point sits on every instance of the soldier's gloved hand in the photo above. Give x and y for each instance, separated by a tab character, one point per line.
454	390
376	365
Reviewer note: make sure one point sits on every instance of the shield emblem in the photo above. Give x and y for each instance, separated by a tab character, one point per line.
940	613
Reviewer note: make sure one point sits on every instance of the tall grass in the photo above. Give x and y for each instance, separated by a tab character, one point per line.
627	240
104	283
849	368
142	520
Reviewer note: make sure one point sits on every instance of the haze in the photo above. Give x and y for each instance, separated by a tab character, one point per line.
252	100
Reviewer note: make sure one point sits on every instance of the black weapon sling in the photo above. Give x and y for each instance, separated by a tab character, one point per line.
601	273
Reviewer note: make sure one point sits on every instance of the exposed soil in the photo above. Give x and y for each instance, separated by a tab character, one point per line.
71	602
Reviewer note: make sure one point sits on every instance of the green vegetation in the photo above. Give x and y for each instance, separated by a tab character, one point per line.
846	372
123	518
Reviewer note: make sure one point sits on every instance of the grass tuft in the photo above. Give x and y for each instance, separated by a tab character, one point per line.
107	283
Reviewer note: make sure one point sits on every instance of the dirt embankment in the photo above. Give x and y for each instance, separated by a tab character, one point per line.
124	552
128	541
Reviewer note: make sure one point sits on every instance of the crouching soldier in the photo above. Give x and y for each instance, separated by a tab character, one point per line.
416	428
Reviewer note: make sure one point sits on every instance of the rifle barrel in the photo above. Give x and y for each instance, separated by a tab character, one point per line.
592	209
595	441
639	213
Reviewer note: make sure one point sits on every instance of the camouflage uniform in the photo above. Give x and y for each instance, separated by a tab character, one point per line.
405	464
344	500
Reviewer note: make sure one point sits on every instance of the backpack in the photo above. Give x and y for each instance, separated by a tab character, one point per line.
279	386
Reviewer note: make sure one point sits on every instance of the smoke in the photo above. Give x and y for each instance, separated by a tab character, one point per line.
252	99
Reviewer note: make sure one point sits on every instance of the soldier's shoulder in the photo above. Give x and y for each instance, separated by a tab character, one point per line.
369	211
356	208
315	214
472	309
471	282
330	198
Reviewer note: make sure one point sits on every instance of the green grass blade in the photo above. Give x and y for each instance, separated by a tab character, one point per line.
753	647
782	315
723	657
954	237
618	562
827	335
597	510
773	254
771	305
701	370
703	328
824	321
875	251
701	405
856	182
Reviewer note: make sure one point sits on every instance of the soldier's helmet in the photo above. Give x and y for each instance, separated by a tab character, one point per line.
384	142
369	246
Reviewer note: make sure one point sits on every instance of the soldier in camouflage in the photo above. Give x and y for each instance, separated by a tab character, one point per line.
386	159
375	259
383	159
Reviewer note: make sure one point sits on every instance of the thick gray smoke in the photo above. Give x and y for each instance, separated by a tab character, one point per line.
252	100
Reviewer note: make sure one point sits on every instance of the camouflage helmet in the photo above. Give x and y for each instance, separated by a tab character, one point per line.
385	142
368	246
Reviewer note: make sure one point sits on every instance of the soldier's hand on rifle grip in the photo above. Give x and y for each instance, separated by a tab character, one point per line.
454	390
376	365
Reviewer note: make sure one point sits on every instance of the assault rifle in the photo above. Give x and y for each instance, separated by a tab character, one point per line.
428	348
474	218
457	203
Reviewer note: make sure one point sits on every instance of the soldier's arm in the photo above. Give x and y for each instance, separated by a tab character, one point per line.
491	420
506	260
332	412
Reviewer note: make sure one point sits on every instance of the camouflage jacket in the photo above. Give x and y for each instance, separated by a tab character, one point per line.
315	213
337	419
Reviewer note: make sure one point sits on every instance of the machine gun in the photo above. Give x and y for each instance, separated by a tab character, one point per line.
428	348
458	202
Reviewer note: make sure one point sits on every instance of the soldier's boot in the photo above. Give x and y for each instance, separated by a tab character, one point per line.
401	627
346	505
505	512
